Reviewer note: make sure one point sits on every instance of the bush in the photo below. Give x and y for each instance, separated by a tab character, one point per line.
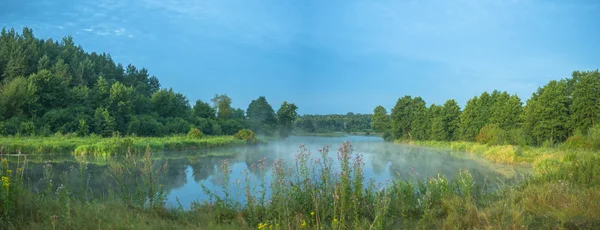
245	134
594	137
491	134
577	142
195	133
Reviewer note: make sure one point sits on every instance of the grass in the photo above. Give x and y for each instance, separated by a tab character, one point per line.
99	146
313	194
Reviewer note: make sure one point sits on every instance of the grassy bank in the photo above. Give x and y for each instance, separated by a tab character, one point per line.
99	146
564	198
509	154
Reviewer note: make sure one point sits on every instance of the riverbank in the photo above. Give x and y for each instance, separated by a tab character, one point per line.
99	146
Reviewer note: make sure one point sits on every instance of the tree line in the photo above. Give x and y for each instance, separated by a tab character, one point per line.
349	123
49	87
566	110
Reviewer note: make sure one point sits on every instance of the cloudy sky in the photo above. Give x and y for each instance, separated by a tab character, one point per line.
330	56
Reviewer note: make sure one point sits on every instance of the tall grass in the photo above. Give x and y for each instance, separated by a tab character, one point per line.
99	146
316	192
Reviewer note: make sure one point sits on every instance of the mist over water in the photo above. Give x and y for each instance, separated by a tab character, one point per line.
187	172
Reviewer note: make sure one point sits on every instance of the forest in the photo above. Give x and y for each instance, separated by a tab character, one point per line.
562	111
348	123
49	87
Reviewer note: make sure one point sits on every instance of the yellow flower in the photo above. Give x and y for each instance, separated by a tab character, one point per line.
303	223
260	225
8	171
5	162
5	181
312	213
19	169
335	220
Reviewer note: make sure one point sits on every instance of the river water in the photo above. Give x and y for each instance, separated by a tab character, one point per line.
188	171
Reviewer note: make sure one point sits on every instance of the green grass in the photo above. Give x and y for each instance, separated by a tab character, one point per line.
99	146
312	195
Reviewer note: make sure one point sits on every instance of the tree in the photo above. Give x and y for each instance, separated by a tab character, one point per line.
286	115
52	90
18	98
204	110
222	103
546	113
261	116
401	118
438	129
585	109
167	103
380	121
506	111
121	104
104	123
451	121
419	123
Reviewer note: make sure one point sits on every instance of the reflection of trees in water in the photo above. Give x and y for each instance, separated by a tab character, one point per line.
175	175
205	166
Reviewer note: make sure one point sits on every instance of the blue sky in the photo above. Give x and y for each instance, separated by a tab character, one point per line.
330	56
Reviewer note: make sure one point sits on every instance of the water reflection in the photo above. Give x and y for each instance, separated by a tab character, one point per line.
187	171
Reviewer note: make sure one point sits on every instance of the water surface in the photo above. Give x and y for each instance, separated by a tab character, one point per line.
188	171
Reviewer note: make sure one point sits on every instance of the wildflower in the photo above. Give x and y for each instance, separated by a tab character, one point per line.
8	171
335	220
312	213
5	162
304	223
5	181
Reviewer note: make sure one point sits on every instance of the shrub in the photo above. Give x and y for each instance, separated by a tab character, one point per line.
245	134
491	134
195	133
577	142
594	137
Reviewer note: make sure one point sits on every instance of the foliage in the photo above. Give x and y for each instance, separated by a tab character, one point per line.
58	87
491	134
261	116
195	133
245	134
380	121
347	123
286	114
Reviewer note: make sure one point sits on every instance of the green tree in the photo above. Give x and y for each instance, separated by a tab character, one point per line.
419	123
451	121
18	98
121	105
104	123
585	109
286	114
52	90
261	116
438	129
223	105
380	121
401	118
546	113
204	110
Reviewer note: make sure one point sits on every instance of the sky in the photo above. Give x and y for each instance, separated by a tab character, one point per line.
330	56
